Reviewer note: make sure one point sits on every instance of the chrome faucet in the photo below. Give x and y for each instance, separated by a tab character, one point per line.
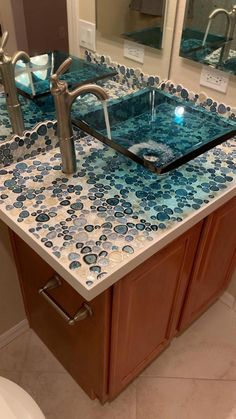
7	69
229	32
63	100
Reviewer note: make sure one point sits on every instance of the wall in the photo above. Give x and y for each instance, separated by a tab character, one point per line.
187	72
7	21
156	61
19	22
11	303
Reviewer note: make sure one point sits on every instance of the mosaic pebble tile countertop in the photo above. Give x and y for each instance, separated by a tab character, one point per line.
95	226
98	224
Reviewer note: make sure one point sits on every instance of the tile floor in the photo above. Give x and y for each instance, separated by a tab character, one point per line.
194	379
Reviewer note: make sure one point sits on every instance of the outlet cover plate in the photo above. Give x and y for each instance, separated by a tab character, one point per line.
134	51
215	79
87	35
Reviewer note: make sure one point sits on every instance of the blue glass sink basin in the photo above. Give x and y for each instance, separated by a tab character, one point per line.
156	129
34	81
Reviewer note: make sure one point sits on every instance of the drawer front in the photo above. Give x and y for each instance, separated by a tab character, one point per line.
82	348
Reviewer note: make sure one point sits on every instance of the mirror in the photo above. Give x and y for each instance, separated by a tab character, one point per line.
129	20
209	35
139	21
23	20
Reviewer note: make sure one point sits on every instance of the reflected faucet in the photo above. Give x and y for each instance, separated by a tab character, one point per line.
7	69
63	100
229	32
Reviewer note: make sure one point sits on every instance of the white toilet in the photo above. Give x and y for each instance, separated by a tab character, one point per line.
15	403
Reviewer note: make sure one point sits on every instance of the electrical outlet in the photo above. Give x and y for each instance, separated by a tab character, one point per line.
134	51
87	35
215	79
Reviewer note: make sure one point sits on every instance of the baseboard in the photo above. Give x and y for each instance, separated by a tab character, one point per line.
229	300
14	332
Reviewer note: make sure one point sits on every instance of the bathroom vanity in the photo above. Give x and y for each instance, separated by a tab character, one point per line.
134	320
115	261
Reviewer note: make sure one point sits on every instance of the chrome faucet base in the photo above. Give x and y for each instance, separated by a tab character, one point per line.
68	155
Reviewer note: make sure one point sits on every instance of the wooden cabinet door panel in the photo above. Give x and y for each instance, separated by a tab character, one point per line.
83	349
146	308
214	263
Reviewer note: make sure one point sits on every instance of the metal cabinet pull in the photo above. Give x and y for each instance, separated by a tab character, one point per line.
84	312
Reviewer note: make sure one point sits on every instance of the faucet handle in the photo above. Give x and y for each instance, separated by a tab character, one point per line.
3	55
59	86
64	66
5	37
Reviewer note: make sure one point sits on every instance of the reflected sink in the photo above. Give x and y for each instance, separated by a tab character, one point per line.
34	81
156	129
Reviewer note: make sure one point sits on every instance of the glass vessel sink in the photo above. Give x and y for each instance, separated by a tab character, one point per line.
155	128
34	80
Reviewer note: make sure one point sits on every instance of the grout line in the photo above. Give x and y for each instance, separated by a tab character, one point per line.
136	403
188	378
25	356
232	309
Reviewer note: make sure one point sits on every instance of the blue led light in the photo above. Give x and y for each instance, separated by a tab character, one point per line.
179	111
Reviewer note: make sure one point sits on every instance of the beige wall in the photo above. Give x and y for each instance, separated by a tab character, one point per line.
11	303
156	62
7	21
187	72
19	22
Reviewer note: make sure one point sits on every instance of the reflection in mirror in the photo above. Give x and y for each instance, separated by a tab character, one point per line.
34	81
23	19
139	21
209	33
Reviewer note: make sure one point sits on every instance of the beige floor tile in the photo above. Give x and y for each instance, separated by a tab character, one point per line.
39	358
12	356
163	398
206	350
60	397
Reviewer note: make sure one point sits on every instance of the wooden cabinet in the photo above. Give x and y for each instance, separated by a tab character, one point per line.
214	264
83	349
137	318
146	308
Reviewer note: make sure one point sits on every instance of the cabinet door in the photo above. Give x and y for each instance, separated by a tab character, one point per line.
146	308
214	263
83	349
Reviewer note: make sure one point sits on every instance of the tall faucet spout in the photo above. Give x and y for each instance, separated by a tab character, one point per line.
95	90
63	100
218	12
7	68
212	15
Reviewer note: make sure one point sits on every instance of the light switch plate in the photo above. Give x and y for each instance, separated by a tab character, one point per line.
87	35
215	79
134	51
